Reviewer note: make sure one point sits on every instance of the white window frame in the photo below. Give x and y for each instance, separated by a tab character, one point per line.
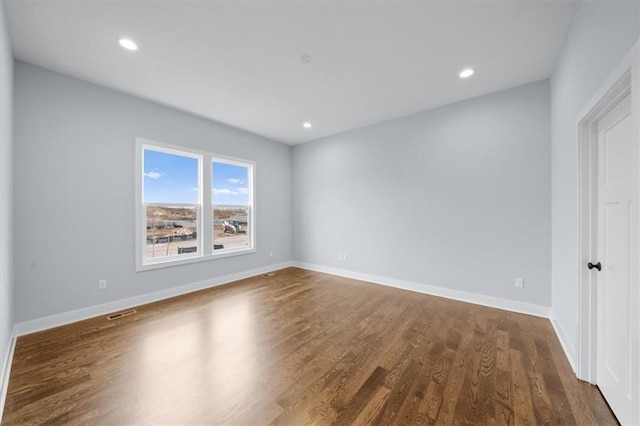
204	225
251	166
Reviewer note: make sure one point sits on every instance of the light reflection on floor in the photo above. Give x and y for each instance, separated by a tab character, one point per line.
173	357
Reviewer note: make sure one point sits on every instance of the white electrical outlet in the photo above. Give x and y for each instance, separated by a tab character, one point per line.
102	284
520	282
344	258
271	253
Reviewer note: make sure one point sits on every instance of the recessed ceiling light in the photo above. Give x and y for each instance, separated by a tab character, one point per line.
306	125
466	73
128	44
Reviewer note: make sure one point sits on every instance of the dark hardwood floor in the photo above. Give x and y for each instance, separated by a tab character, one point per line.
297	348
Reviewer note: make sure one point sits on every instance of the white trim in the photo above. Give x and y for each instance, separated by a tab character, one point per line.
6	372
569	350
462	296
251	217
617	85
624	80
142	263
194	259
57	320
635	316
205	221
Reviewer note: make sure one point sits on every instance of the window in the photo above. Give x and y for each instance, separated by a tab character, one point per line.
171	204
173	185
231	204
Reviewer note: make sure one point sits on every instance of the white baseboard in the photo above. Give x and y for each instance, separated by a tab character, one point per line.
57	320
568	348
6	371
463	296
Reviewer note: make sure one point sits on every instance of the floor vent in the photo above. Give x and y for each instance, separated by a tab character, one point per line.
270	274
122	314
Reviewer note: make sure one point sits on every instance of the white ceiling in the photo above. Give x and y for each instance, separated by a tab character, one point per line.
239	62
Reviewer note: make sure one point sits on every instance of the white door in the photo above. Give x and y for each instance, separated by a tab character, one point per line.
617	253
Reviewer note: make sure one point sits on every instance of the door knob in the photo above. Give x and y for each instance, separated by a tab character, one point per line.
594	265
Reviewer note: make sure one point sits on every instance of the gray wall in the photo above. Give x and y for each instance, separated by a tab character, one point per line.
457	197
74	185
6	189
601	35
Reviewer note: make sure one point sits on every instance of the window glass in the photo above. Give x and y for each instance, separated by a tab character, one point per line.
231	183
170	178
171	198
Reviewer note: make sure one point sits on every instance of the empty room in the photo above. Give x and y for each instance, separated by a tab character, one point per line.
319	212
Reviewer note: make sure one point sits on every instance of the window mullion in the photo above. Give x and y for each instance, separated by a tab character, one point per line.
207	207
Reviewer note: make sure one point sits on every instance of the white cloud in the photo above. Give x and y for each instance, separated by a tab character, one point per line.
234	180
222	191
227	191
153	175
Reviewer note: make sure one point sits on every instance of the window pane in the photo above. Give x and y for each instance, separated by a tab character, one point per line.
230	227
231	186
171	231
170	178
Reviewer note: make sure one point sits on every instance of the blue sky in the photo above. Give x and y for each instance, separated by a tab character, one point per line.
170	178
230	184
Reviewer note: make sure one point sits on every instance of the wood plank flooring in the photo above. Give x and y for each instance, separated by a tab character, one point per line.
297	348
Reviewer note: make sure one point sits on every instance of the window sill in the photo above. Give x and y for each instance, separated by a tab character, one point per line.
195	259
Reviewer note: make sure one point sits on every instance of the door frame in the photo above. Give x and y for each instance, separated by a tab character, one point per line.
624	80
